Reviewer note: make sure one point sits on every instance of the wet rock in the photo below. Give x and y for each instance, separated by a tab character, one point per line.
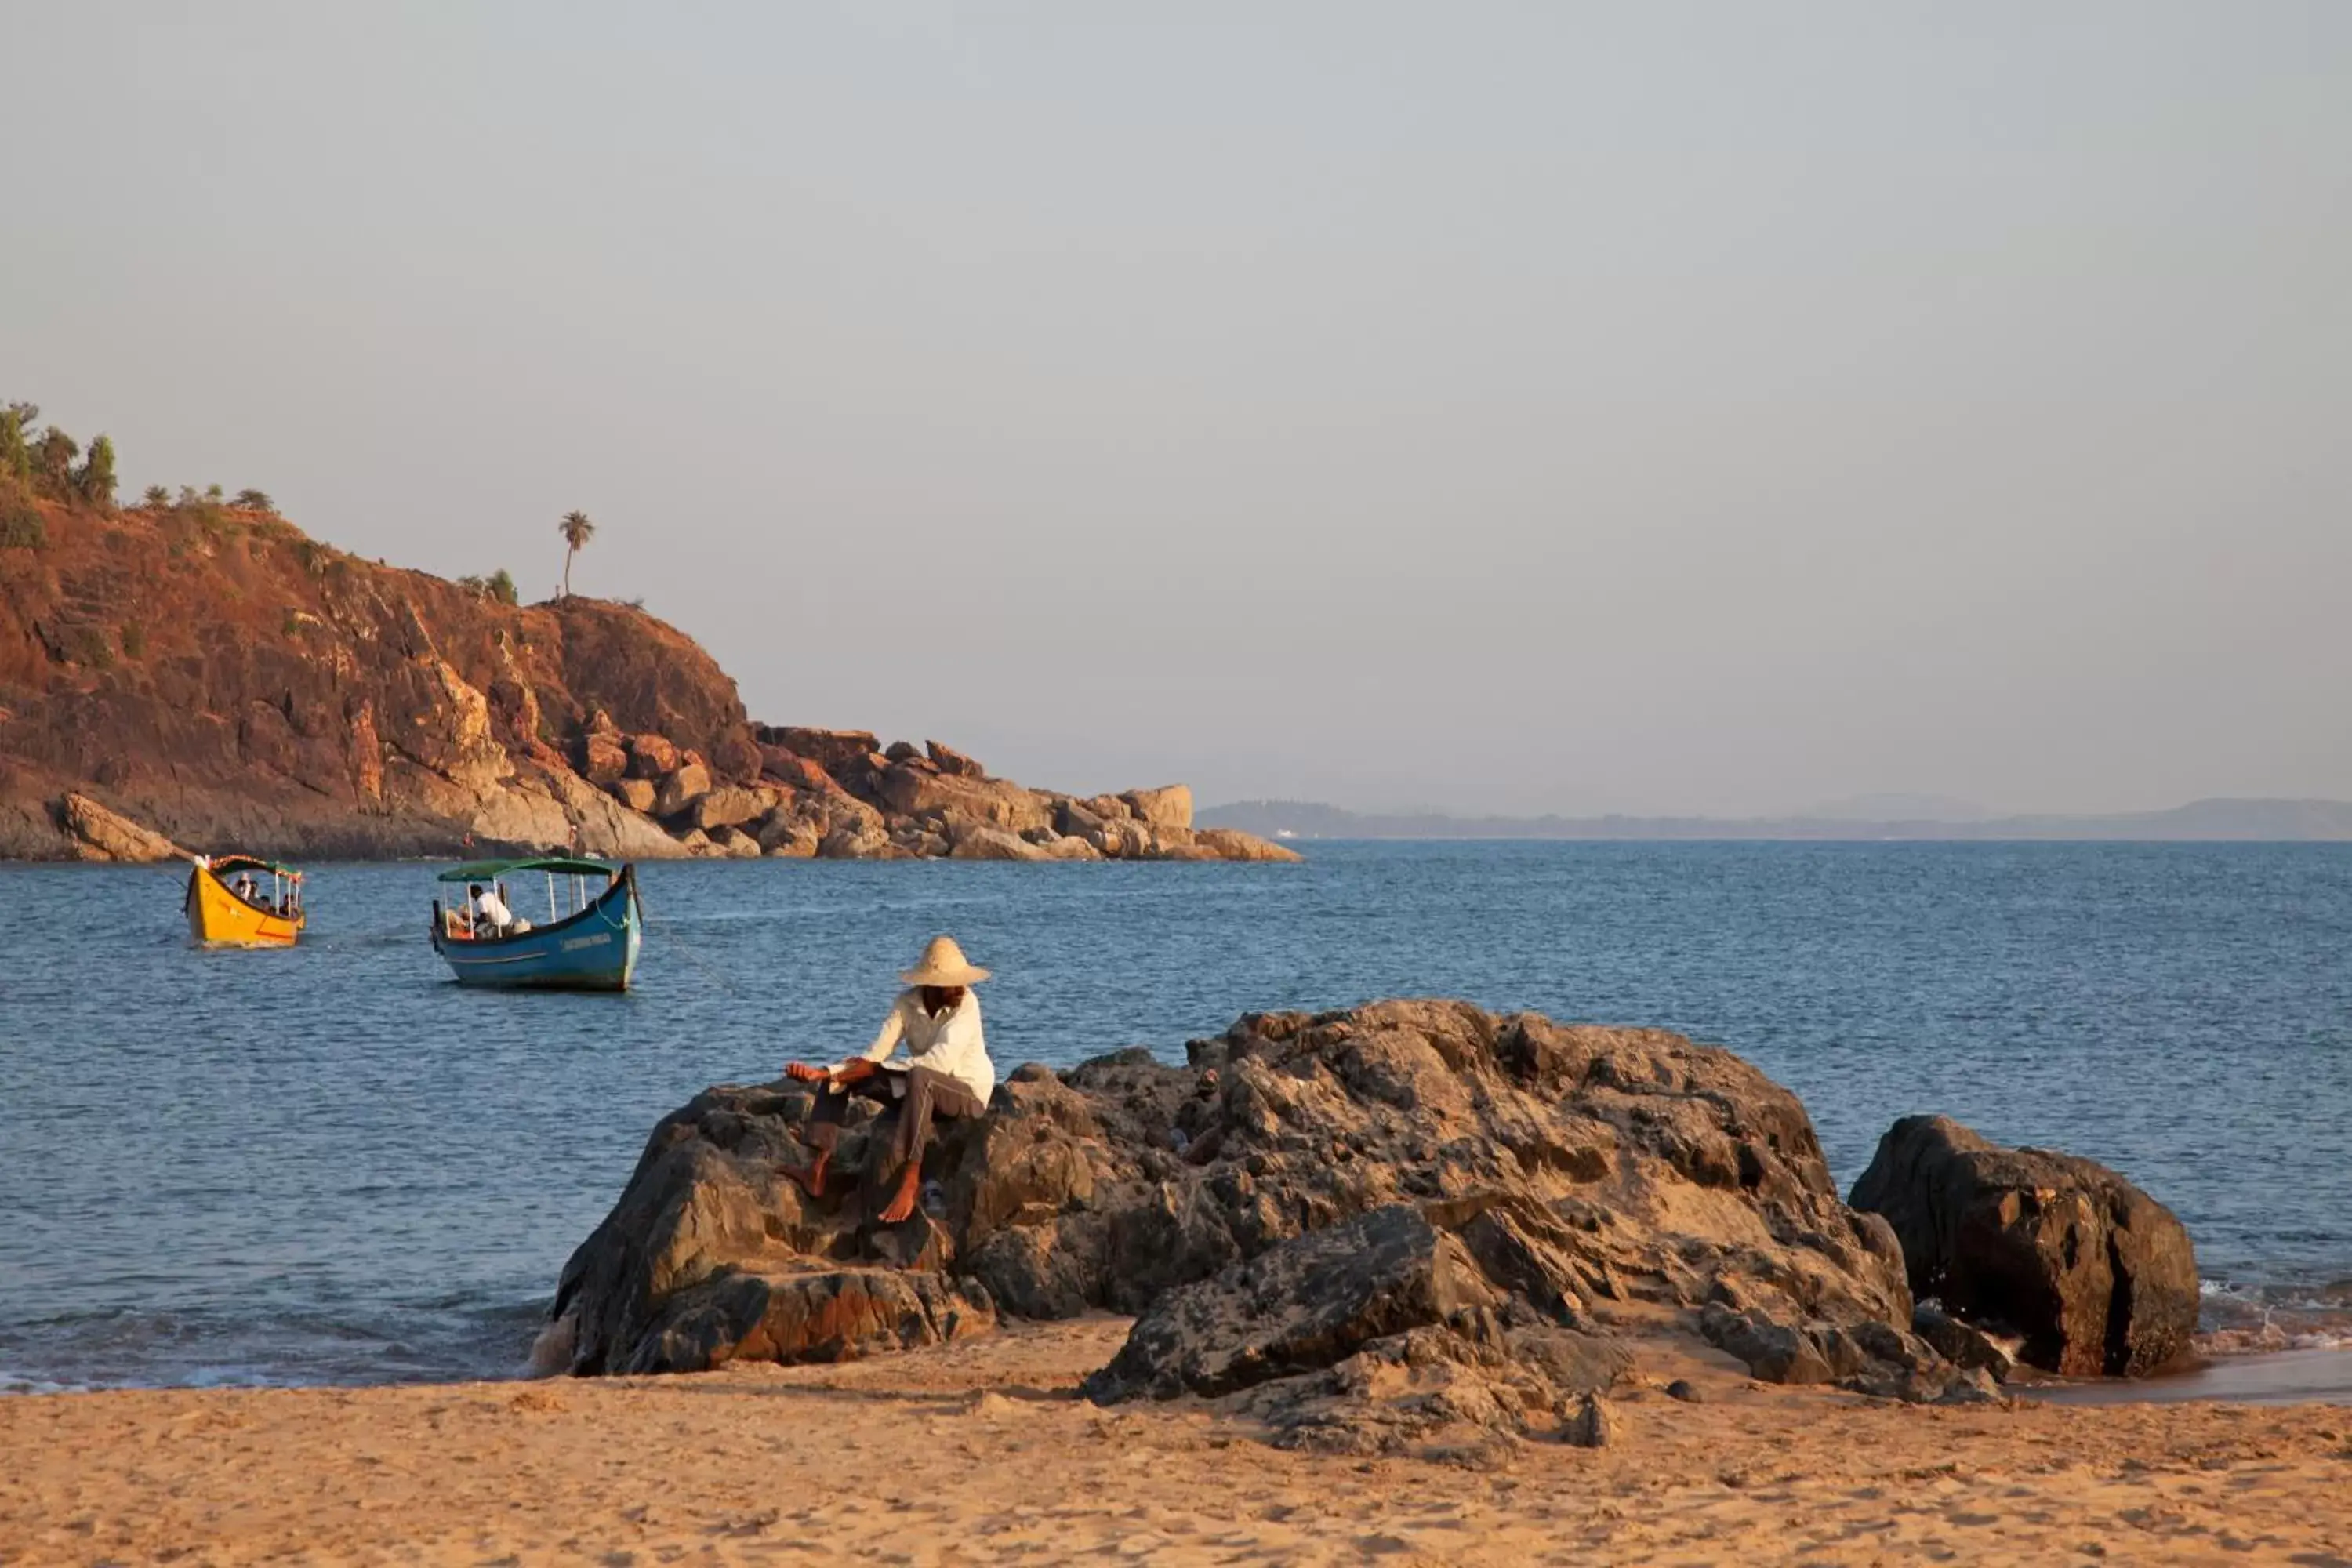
1962	1344
2097	1276
1232	844
1972	1386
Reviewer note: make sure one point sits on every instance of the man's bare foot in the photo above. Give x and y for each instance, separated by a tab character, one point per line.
903	1206
811	1176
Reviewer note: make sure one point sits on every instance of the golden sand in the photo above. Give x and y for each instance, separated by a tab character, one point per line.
980	1453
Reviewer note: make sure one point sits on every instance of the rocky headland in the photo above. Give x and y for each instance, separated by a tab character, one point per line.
1413	1227
207	674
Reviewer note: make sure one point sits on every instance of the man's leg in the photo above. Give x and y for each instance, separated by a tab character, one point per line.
823	1129
929	1094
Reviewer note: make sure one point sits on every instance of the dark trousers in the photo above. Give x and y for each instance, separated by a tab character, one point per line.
926	1094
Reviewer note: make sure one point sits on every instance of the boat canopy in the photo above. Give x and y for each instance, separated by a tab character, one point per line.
555	866
219	863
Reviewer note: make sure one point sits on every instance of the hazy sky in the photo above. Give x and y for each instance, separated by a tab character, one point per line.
1651	407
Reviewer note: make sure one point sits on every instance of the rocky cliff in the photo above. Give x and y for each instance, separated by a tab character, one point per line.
215	675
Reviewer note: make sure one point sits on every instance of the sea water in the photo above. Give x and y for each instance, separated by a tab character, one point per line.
332	1165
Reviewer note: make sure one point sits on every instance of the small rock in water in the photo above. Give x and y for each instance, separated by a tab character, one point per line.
1681	1388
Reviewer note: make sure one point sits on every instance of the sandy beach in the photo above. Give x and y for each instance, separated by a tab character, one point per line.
979	1452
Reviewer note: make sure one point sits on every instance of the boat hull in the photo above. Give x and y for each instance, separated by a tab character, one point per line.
218	915
596	950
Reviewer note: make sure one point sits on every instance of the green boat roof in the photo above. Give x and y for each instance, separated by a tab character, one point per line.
556	866
248	863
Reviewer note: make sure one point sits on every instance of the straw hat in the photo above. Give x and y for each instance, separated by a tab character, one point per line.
943	964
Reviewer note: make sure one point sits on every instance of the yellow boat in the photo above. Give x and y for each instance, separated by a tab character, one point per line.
230	902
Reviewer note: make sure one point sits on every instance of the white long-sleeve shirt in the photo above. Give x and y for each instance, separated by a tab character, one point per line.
950	1043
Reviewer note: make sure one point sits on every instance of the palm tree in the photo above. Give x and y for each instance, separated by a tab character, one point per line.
577	531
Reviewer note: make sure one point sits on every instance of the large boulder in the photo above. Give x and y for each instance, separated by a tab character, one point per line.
732	806
602	824
1171	806
795	771
713	1255
101	834
651	756
1374	1335
853	840
948	760
969	840
2097	1276
1416	1209
915	788
680	788
1301	1305
838	752
603	759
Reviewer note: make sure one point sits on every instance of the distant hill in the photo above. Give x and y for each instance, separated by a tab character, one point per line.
2249	820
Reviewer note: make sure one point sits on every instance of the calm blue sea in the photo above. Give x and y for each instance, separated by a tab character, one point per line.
330	1164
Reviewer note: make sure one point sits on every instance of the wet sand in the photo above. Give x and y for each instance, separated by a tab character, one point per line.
2278	1377
978	1453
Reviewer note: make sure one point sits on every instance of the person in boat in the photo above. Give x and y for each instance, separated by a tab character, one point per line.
491	916
947	1072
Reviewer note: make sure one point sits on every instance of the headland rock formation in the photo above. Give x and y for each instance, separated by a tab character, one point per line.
1414	1227
208	673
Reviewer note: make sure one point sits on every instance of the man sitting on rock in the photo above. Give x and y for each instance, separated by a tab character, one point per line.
947	1073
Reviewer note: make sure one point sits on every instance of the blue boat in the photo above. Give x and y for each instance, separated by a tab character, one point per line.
589	941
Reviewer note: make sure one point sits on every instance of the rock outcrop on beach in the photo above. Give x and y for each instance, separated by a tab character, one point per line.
209	675
1374	1229
2094	1275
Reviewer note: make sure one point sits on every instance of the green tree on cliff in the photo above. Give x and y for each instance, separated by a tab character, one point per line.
53	463
501	587
577	531
15	455
255	501
94	481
